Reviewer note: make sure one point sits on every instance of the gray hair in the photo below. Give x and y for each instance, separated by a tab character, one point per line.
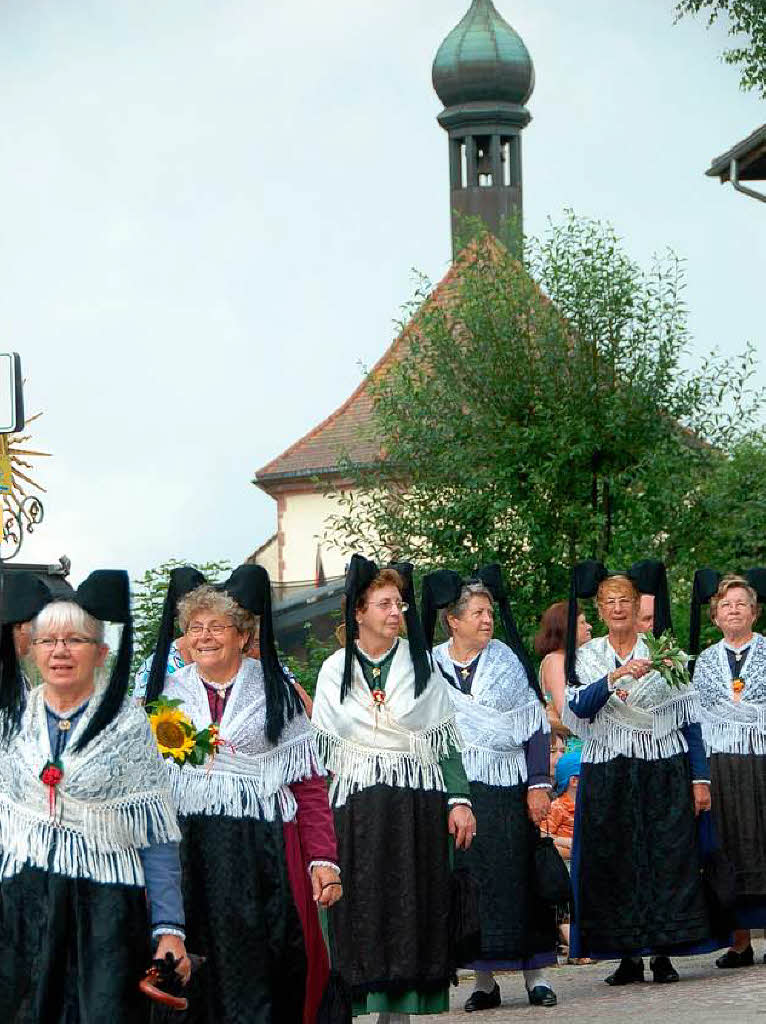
208	599
67	615
457	608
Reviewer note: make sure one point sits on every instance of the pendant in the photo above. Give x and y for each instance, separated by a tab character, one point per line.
64	725
465	673
379	697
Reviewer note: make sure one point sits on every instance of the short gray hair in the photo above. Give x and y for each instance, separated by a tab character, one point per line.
67	615
457	608
208	599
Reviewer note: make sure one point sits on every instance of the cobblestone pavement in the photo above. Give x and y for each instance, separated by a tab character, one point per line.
704	995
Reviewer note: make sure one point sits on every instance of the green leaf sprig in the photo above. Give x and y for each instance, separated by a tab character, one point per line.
668	659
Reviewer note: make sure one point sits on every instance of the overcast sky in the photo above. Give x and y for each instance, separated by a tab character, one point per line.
211	209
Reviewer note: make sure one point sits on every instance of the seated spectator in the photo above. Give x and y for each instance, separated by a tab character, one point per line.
558	749
560	821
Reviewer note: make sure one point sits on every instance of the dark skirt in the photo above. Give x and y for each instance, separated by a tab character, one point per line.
635	864
390	932
738	793
72	950
241	915
515	923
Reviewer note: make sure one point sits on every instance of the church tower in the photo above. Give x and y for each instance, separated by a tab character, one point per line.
483	75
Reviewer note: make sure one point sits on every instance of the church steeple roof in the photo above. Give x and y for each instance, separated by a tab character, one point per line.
483	59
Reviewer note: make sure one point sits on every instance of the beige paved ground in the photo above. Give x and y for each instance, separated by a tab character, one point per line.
705	995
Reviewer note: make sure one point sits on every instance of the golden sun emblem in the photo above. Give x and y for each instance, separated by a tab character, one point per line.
22	509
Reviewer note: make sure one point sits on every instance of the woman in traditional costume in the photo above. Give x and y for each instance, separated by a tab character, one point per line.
730	678
644	777
258	849
87	826
501	719
386	731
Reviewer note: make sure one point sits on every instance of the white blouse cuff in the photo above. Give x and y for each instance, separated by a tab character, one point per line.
457	801
323	864
167	929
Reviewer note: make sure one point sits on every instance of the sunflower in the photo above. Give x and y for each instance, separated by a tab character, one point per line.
174	733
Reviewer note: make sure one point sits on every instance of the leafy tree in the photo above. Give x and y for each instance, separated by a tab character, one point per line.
544	413
148	596
306	669
747	20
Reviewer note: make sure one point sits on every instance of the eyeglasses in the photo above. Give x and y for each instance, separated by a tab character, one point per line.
69	643
386	606
216	630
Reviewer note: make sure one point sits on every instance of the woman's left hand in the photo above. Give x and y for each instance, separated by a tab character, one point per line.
701	793
175	944
462	825
538	805
325	883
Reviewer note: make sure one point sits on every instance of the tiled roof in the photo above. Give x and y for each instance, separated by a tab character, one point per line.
344	431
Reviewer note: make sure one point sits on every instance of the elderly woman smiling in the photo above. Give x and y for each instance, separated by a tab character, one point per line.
730	677
501	717
644	776
258	848
87	827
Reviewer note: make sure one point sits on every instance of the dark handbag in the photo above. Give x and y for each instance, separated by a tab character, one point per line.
464	920
554	885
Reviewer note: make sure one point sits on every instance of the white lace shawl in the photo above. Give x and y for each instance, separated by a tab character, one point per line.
249	777
112	801
728	726
647	725
400	744
497	717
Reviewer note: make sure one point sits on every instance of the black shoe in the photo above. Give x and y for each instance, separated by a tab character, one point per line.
627	972
663	970
541	995
483	1000
732	958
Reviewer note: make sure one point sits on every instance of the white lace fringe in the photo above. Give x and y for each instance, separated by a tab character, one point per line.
493	767
608	738
355	768
213	791
106	850
722	737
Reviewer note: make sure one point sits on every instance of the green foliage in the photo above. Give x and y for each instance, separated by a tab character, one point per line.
747	21
148	596
547	413
307	669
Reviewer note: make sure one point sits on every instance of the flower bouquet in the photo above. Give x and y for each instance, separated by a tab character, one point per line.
177	736
668	659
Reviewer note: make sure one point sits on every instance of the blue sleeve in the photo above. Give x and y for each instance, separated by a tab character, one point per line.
162	874
537	751
587	701
697	757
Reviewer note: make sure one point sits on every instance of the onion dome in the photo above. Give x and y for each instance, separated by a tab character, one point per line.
483	59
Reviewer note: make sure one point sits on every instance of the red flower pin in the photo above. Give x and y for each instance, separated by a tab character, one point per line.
51	775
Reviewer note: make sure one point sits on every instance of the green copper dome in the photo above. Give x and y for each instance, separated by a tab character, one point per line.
483	59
